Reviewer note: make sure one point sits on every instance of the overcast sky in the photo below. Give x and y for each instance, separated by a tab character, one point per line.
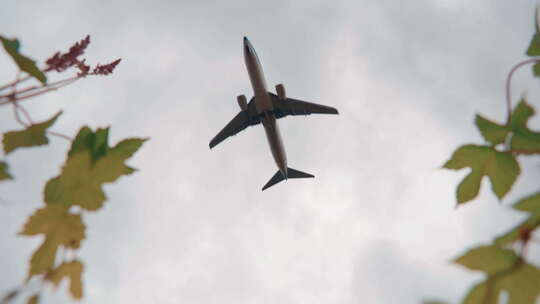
378	224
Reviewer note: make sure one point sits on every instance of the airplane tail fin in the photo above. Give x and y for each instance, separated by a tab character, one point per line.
291	173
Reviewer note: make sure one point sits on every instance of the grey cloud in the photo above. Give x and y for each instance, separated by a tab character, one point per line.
193	226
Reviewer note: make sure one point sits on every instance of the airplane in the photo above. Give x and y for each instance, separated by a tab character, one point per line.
266	108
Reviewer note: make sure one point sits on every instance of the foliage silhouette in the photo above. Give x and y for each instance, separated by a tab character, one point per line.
89	164
504	262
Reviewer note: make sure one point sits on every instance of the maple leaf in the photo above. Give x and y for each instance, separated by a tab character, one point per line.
530	204
521	283
4	174
491	131
534	46
501	168
514	234
523	140
478	294
80	182
125	149
90	164
33	135
490	259
24	63
95	142
59	227
506	272
71	270
536	70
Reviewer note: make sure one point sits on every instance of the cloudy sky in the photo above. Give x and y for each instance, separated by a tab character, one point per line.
378	224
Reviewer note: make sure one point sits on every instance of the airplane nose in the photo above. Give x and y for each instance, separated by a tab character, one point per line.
247	49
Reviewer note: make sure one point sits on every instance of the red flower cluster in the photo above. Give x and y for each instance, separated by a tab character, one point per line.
61	62
105	69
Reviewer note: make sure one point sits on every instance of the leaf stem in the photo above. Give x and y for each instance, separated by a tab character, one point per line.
15	82
25	113
509	83
17	116
40	90
60	135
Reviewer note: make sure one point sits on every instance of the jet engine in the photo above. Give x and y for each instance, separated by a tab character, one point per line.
280	90
242	102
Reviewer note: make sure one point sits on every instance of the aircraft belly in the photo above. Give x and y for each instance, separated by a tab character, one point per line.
263	103
275	142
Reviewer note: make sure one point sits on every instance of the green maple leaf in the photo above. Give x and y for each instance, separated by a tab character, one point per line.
491	131
501	168
59	227
127	147
521	115
523	140
71	270
95	142
4	174
477	294
534	47
530	204
536	70
24	63
80	182
33	135
90	164
522	283
490	259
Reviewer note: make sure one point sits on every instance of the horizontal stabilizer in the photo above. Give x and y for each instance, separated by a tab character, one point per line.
274	180
291	173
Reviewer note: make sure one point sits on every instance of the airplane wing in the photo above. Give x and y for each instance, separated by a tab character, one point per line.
241	121
292	106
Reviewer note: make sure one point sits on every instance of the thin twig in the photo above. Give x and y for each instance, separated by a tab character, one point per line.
15	82
17	116
26	114
42	90
60	135
13	99
51	84
509	83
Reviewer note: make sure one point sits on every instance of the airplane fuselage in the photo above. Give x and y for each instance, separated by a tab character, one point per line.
264	106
